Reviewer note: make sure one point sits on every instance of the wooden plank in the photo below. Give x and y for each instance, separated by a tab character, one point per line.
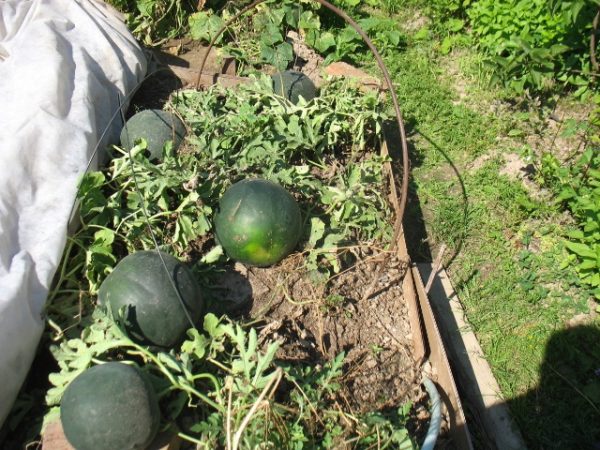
410	296
473	372
189	77
439	360
188	54
414	317
183	58
53	438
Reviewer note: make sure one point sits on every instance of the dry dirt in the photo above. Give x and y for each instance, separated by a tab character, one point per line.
315	319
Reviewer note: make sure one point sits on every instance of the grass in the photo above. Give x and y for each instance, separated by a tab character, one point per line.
505	241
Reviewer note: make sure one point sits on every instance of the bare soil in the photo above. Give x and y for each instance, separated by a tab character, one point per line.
315	318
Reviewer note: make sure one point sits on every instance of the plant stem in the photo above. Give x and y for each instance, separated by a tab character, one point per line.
238	434
214	381
191	439
593	59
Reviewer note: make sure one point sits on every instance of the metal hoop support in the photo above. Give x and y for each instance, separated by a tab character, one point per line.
386	76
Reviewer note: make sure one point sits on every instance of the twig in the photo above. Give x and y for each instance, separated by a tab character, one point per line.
229	386
343	414
238	434
311	406
286	295
435	269
359	263
320	317
593	59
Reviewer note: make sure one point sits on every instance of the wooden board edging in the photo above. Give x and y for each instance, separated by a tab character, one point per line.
472	370
439	360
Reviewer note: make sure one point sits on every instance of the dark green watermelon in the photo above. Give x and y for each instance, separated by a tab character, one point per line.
258	222
156	127
108	407
291	85
153	310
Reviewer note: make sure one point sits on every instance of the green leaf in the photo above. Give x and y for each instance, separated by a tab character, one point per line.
332	240
515	132
447	45
455	25
324	42
184	229
264	362
170	361
146	7
197	345
212	325
104	238
317	229
575	9
566	194
212	255
279	56
309	21
589	264
422	34
271	36
204	26
292	15
91	181
580	249
558	49
576	234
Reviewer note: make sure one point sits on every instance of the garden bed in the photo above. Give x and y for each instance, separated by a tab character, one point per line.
337	307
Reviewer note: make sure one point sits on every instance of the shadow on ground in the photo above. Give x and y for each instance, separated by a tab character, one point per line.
414	224
563	410
417	238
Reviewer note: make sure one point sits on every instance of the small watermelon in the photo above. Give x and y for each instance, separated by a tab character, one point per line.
154	312
291	85
156	127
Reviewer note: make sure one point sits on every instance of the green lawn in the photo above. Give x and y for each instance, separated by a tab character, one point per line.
504	238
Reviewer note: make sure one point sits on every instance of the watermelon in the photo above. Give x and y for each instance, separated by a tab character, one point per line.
108	407
291	85
153	312
156	127
258	222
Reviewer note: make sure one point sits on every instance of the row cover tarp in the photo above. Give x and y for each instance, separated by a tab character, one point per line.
65	67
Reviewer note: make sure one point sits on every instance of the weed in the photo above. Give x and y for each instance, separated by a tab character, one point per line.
529	46
376	349
578	187
333	301
154	21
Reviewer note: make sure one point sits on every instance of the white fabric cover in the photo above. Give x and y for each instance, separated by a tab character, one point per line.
64	67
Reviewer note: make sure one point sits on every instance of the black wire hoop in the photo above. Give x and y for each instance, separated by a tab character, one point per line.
400	205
